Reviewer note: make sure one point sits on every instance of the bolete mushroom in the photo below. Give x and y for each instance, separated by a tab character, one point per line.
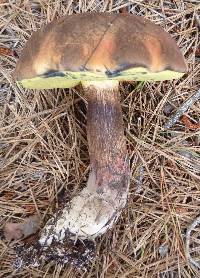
98	51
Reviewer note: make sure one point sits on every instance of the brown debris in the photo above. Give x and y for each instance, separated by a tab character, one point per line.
197	53
6	52
187	122
123	10
79	253
24	229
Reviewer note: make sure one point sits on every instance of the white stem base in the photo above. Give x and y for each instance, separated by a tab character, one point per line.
87	215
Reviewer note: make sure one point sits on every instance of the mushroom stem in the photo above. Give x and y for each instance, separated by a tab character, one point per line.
98	205
106	140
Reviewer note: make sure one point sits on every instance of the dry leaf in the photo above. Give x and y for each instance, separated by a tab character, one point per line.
186	121
6	52
24	229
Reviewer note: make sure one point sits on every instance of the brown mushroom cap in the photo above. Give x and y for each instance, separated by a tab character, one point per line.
98	46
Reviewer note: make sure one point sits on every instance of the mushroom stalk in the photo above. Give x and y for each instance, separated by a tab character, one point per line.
106	140
98	205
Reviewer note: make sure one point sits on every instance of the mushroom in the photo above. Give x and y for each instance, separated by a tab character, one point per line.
98	51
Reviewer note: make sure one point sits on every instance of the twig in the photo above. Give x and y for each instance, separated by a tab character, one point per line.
181	110
192	160
197	19
187	243
139	179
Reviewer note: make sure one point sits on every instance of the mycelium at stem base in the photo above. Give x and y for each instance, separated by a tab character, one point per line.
97	207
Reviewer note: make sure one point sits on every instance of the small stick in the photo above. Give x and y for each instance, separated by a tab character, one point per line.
187	243
139	179
197	19
181	110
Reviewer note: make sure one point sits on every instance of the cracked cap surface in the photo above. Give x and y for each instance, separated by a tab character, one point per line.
98	46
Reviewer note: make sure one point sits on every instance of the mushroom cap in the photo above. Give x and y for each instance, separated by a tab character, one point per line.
98	46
